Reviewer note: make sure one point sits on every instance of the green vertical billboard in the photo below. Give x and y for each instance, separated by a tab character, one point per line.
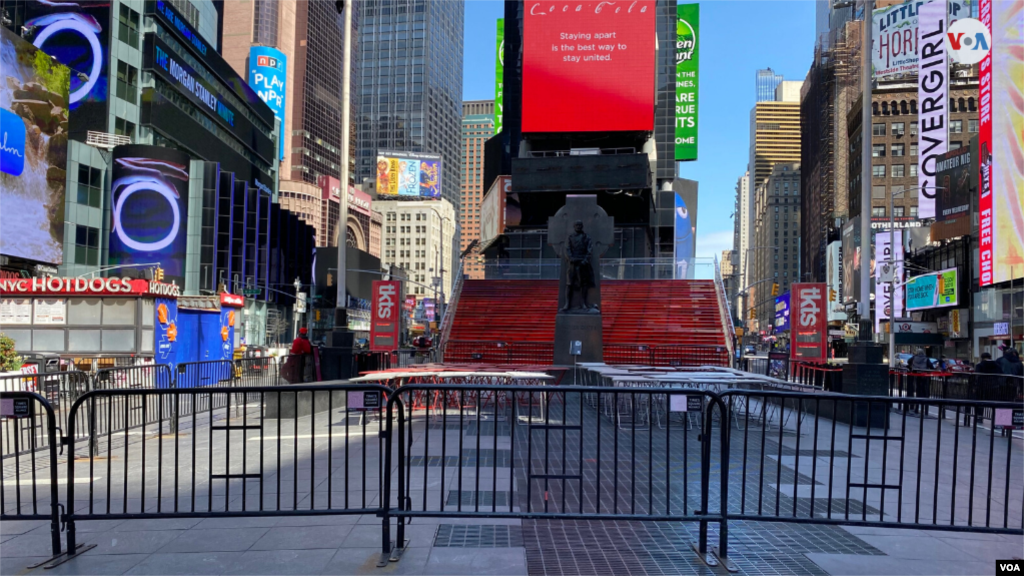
499	76
687	63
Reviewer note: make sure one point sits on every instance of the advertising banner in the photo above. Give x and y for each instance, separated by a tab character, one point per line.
492	209
851	261
499	77
894	45
809	333
411	174
386	323
33	151
166	333
781	313
933	98
933	290
834	279
685	249
149	208
888	244
588	66
687	92
959	319
953	175
1001	139
268	73
77	34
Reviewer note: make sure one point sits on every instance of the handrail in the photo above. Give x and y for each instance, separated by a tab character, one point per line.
723	309
449	312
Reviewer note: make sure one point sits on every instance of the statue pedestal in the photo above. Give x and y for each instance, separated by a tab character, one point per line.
584	327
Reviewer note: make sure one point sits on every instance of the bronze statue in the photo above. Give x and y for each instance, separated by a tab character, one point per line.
580	273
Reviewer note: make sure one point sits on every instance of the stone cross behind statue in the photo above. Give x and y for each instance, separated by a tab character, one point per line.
580	233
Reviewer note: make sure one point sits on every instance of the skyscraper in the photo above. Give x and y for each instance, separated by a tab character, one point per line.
765	82
411	84
477	127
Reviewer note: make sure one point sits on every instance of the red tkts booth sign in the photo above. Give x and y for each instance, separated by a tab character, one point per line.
386	317
809	324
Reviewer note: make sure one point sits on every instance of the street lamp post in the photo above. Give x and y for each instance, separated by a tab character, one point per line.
340	317
891	262
440	261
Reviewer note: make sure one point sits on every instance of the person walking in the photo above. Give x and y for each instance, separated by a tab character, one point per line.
922	381
302	351
988	380
1010	363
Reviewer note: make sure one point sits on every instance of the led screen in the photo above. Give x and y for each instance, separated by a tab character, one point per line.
268	72
409	174
684	240
588	66
149	214
77	34
34	91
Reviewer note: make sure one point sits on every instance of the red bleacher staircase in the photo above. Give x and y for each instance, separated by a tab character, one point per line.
653	322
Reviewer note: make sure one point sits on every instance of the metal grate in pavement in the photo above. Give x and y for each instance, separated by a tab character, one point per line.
486	428
485	498
478	536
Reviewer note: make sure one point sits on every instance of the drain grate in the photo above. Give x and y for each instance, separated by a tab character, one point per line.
478	536
486	498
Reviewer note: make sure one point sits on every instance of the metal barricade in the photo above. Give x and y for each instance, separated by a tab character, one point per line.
28	439
60	389
856	460
526	452
293	451
257	371
205	373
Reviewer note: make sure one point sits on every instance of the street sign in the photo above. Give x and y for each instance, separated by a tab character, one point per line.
250	292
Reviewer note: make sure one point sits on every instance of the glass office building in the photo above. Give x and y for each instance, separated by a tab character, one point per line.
766	81
410	93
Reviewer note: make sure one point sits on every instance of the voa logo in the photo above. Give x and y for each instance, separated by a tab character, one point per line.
968	41
12	143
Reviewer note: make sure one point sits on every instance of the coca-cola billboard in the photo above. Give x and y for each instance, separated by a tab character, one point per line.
384	329
809	325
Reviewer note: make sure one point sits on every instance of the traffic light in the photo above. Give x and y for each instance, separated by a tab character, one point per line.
775	289
831	294
158	274
751	313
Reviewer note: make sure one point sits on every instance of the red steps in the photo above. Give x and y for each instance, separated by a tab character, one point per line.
513	321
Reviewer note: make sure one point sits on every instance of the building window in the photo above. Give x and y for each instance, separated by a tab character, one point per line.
878	171
897	170
953	145
127	82
913	211
972	125
877	150
90	186
913	129
898	149
878	129
878	191
87	245
878	212
897	128
956	126
897	211
124	128
913	149
913	170
128	26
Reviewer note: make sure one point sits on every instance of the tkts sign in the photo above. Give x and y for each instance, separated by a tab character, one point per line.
808	324
386	317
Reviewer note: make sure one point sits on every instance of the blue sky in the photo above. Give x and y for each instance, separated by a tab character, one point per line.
737	38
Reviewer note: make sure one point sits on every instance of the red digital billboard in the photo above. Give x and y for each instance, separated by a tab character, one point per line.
809	324
384	329
588	66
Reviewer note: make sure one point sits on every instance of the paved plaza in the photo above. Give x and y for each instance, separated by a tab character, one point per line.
583	456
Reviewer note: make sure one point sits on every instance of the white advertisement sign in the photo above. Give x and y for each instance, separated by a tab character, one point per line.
50	311
888	244
15	311
834	278
895	49
933	101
